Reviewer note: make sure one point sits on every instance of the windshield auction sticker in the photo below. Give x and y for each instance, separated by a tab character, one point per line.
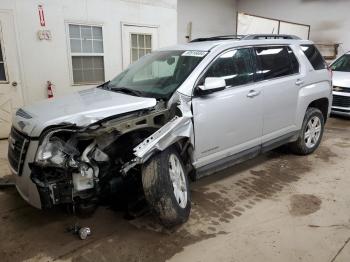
195	53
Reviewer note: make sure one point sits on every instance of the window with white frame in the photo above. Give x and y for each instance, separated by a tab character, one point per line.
141	44
86	50
2	66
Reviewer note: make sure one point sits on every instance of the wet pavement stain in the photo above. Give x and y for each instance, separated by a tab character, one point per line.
304	204
325	154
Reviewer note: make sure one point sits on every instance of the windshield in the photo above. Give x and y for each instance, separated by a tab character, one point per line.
342	64
158	74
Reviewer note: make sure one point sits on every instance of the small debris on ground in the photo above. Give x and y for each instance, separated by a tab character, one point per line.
82	232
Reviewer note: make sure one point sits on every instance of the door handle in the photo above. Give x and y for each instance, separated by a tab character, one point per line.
299	82
14	83
253	93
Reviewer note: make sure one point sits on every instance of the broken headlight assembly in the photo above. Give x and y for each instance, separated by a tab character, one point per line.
55	151
52	152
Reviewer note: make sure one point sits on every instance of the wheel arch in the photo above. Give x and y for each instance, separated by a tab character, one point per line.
323	105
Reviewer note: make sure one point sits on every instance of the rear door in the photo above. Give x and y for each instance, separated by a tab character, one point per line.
10	84
228	122
280	81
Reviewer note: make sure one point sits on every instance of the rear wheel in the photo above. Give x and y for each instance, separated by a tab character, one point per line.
166	187
311	133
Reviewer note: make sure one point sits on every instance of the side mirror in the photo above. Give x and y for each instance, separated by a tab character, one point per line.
212	84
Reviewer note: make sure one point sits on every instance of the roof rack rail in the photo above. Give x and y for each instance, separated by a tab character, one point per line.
217	38
269	36
245	37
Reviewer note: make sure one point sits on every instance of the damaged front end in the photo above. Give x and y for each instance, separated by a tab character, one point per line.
80	165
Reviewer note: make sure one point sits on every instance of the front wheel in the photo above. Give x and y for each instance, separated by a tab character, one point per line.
166	187
311	133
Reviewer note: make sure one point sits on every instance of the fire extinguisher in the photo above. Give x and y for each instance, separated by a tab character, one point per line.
49	90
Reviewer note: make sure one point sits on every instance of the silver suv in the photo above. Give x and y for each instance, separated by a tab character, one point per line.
181	112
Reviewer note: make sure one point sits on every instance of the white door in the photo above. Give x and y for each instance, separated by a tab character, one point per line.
137	42
10	84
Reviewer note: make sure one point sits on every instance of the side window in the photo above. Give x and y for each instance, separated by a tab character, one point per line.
293	60
234	66
275	61
314	56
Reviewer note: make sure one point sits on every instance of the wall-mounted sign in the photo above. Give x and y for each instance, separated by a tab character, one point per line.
41	15
44	35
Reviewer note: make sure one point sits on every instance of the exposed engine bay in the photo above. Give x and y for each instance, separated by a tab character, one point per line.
79	166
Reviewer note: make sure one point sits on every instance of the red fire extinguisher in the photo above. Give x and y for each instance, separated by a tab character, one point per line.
49	90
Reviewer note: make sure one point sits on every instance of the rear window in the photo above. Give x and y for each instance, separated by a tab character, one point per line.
314	56
276	61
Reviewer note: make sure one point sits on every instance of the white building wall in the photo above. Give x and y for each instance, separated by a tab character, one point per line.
208	17
329	20
49	60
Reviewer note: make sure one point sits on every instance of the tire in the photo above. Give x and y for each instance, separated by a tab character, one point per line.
303	146
157	180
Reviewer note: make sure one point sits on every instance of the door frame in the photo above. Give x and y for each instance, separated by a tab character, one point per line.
125	24
17	49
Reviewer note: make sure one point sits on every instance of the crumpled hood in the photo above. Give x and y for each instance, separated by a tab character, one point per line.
80	108
341	79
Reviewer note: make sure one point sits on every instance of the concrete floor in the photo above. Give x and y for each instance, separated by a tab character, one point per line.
278	207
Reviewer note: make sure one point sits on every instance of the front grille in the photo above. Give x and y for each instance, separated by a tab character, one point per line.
341	89
341	101
18	146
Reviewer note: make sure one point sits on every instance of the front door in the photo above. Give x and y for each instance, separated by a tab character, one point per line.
10	84
137	42
228	122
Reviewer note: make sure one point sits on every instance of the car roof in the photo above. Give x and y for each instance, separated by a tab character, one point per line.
210	44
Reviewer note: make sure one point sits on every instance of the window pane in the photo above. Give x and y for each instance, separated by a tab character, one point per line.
98	62
87	62
88	75
76	62
142	52
87	46
133	40
1	58
97	32
88	69
141	41
234	66
86	32
134	55
148	41
98	46
99	75
314	57
74	31
2	72
78	76
274	62
75	46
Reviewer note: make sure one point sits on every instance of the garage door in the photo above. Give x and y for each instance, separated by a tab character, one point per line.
10	84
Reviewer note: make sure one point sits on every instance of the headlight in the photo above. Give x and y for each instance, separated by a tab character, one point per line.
51	151
54	150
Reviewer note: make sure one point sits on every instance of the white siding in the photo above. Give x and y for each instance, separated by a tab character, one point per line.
48	60
208	17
